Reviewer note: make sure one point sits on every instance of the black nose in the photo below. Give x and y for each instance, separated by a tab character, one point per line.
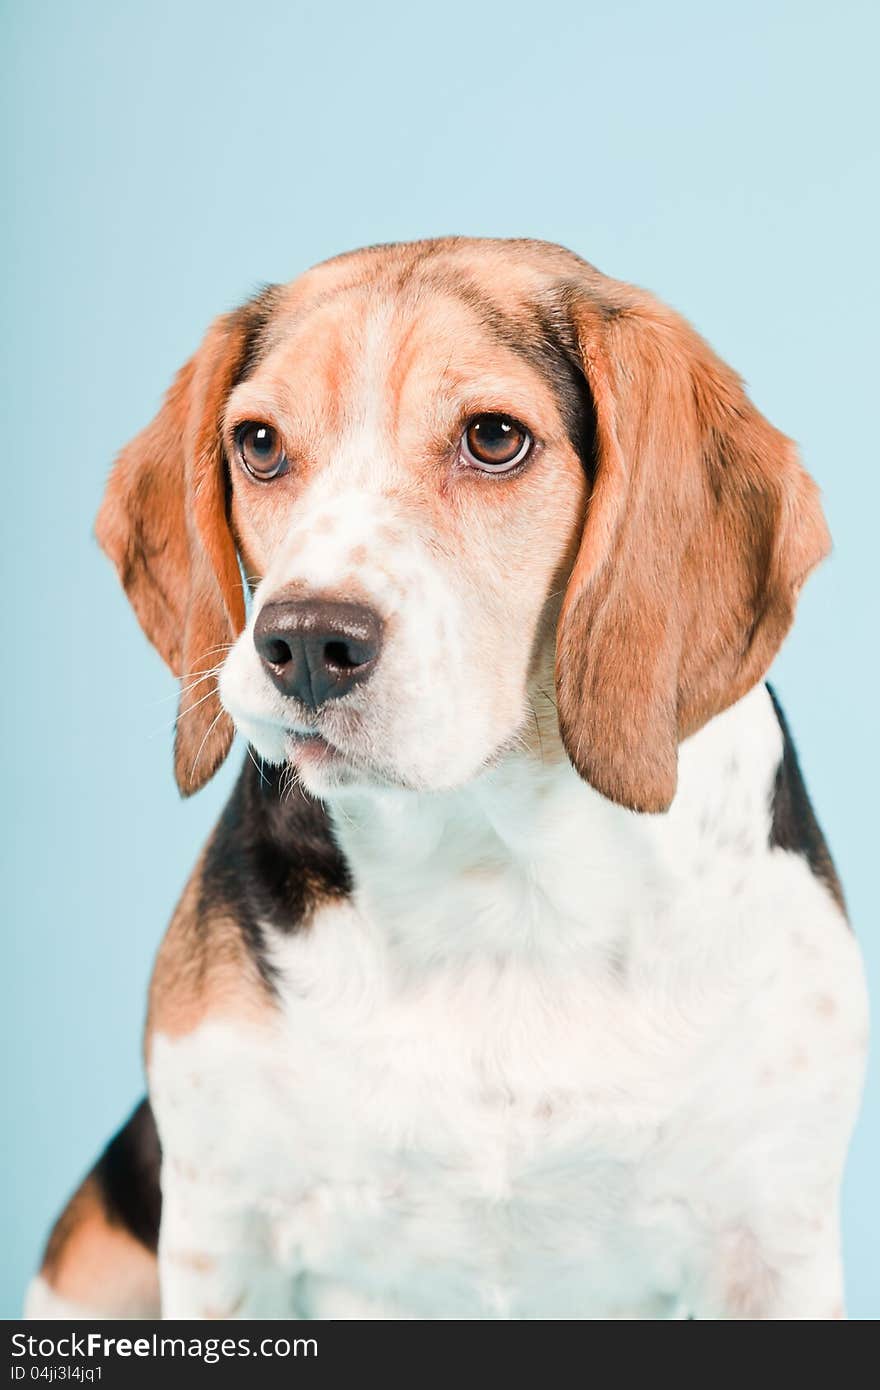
316	649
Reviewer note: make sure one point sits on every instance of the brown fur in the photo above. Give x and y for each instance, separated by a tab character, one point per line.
202	969
701	529
95	1263
163	523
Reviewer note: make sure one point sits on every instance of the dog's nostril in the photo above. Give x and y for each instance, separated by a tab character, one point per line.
277	652
340	656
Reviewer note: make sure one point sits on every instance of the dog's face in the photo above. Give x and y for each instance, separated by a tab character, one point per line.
404	475
445	469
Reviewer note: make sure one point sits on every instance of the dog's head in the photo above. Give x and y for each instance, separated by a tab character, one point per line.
443	470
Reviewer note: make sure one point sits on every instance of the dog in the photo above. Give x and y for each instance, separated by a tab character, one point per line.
515	980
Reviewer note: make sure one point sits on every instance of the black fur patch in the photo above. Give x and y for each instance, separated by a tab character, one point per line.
271	858
793	825
256	315
127	1176
554	348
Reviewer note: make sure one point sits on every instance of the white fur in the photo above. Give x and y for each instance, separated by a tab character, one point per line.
552	1060
43	1304
430	675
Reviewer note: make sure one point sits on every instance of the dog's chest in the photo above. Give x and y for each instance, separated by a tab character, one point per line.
526	1084
505	1139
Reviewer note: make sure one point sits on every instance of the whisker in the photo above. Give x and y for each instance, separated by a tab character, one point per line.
537	728
341	814
163	728
259	766
292	782
193	679
208	675
209	651
218	647
217	716
195	704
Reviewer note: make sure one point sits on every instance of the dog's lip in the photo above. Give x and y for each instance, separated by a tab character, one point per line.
315	747
311	744
312	741
317	750
294	735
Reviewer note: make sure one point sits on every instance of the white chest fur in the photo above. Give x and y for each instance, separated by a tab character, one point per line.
553	1060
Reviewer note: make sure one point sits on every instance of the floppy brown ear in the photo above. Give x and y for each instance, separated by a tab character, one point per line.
701	528
163	522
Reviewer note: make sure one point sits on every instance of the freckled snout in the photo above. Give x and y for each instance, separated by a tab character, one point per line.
315	650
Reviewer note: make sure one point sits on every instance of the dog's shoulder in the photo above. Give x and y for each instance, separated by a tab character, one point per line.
271	863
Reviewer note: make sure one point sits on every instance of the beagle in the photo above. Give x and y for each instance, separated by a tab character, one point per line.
515	980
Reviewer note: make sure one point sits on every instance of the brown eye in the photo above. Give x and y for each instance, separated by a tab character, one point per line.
260	450
495	443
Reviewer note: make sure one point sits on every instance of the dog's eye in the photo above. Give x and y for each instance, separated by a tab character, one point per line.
260	450
494	443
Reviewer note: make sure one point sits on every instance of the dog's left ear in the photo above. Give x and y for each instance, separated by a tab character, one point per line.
701	528
164	524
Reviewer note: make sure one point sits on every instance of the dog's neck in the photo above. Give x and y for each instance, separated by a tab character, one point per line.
527	858
484	869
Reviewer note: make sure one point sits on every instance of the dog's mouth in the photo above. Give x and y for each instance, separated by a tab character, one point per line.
325	764
321	761
313	750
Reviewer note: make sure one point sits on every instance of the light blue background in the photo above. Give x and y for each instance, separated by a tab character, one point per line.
162	161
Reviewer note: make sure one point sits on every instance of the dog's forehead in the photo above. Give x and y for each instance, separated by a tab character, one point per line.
504	269
413	320
369	298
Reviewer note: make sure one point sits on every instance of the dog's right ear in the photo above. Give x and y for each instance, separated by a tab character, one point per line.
164	523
